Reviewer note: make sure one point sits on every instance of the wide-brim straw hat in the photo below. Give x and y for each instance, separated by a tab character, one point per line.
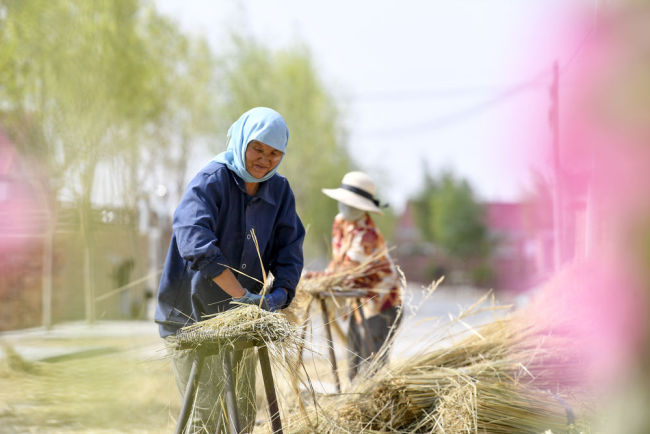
357	190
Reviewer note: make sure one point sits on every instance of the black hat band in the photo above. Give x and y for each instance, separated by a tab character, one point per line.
363	193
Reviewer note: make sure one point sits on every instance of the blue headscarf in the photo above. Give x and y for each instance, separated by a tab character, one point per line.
262	124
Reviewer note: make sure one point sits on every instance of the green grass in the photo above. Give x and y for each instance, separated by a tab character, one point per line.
118	390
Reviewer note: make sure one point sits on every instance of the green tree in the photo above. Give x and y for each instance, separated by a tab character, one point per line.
92	84
287	81
448	214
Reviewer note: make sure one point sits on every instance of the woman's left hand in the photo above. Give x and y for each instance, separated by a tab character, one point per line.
275	300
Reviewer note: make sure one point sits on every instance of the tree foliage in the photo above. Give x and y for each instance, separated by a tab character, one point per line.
449	215
98	82
100	93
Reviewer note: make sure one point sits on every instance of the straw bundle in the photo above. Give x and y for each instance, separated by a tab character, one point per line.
343	280
245	322
490	381
335	287
507	408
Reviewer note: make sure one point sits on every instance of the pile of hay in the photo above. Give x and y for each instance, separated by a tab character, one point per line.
243	323
496	380
340	281
335	287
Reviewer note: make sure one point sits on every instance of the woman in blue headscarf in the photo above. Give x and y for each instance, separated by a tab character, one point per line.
237	191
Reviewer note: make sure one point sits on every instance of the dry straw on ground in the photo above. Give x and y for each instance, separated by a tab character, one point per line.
495	380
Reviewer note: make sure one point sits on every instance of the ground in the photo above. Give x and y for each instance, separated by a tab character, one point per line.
114	376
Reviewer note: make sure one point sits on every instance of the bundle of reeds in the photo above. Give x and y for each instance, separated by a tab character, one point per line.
243	323
335	287
471	388
493	380
341	280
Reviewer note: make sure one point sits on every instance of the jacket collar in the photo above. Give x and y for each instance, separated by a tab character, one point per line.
264	192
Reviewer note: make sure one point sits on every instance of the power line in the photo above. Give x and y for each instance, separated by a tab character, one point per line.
413	94
449	119
461	115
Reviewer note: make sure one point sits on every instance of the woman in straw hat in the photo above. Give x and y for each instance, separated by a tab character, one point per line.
237	191
355	240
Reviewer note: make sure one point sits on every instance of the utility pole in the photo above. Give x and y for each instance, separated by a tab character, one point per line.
554	122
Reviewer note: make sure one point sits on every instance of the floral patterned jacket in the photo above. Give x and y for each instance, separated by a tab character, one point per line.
353	243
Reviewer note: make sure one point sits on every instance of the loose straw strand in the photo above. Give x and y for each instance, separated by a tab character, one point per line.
257	247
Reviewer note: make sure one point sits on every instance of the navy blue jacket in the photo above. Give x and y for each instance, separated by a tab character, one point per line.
211	229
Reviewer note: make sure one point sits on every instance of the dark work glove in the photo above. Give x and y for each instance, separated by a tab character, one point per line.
272	301
275	300
249	298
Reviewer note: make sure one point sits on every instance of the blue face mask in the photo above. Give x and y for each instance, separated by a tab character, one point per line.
350	213
262	124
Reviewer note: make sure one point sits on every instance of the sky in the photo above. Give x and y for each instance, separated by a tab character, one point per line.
424	85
